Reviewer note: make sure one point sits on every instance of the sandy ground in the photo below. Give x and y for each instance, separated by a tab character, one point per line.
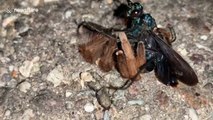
41	69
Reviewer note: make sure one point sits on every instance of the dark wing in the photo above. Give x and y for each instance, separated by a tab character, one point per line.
97	45
179	67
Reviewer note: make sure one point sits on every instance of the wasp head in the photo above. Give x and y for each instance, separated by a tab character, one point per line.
135	9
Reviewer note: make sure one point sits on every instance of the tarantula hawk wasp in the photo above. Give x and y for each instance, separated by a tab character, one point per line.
140	47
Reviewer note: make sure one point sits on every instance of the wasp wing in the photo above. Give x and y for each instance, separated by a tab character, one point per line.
178	66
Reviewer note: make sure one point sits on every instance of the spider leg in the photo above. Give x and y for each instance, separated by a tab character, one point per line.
140	55
167	34
129	55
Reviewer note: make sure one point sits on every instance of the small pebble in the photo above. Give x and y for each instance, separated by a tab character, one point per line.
28	115
203	37
88	16
36	3
68	93
9	21
12	83
99	114
2	83
136	102
73	40
6	77
27	67
56	76
69	105
24	87
89	107
35	68
109	1
203	47
1	45
208	86
115	80
146	117
106	115
85	77
95	4
11	68
3	71
183	52
193	114
68	13
7	113
50	1
75	76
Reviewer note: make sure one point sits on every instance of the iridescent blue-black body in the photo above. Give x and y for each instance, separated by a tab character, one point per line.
138	25
167	64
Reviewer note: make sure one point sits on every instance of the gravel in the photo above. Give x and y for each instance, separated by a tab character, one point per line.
42	75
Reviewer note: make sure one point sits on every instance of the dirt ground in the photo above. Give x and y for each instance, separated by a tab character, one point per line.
43	77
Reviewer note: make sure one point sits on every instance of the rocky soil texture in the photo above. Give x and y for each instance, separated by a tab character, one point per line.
43	77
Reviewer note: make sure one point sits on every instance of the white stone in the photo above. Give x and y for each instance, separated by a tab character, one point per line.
7	113
35	68
49	1
28	115
183	52
193	114
109	1
9	21
24	87
2	83
85	77
68	14
27	67
203	47
11	68
35	59
68	93
89	107
136	102
37	2
203	37
56	76
146	117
